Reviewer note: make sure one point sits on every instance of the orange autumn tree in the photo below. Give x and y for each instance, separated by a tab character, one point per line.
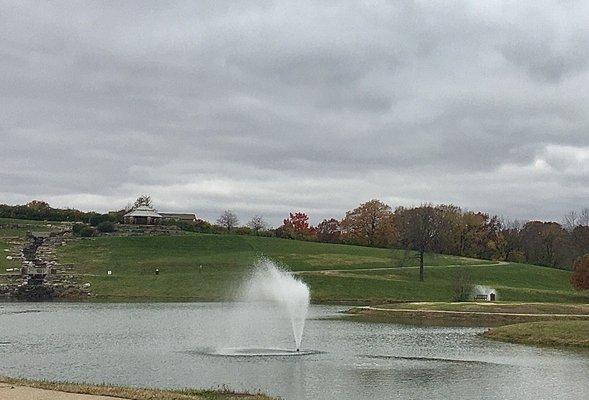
370	224
580	275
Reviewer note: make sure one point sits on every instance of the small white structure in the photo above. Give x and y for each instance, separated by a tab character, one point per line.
485	293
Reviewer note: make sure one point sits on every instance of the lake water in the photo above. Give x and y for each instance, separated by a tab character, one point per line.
167	345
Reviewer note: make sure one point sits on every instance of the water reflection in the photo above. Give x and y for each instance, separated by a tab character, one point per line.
157	345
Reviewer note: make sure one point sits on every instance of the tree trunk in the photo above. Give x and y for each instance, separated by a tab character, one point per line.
421	277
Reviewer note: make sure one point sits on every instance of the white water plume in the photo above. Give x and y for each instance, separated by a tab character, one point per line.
484	290
275	286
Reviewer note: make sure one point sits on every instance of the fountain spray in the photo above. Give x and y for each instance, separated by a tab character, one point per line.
270	283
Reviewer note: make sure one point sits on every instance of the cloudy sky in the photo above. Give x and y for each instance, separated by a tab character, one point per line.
270	107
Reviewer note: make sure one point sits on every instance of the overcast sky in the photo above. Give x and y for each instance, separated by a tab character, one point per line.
270	107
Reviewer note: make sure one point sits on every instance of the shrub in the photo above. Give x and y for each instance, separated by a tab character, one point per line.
82	230
580	275
243	230
87	232
96	219
106	227
461	284
199	225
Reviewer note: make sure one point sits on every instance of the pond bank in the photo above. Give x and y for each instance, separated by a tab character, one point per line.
22	389
547	333
467	313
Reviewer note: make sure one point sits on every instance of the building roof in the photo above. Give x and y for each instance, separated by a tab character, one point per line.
181	216
143	211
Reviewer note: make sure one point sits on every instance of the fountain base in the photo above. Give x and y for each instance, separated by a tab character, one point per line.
257	352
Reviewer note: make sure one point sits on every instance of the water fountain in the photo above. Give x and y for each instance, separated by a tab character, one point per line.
271	305
271	284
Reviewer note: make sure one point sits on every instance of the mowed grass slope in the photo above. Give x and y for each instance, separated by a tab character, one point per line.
514	282
208	267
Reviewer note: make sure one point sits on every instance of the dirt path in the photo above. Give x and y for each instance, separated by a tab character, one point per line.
16	392
323	271
473	312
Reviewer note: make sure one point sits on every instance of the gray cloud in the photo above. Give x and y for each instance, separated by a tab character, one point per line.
271	107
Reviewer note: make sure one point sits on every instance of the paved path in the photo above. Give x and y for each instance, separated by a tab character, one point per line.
474	312
16	392
322	271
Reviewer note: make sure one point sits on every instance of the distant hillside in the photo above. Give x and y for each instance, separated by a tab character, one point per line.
207	267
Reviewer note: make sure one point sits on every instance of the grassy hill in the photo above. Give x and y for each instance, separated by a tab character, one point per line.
208	267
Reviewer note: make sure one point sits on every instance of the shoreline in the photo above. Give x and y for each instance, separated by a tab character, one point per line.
554	334
24	389
468	313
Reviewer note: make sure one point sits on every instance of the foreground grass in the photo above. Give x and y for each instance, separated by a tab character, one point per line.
545	333
135	393
208	267
482	314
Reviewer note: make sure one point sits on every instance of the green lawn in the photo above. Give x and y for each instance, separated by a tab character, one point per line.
207	267
4	262
545	333
515	282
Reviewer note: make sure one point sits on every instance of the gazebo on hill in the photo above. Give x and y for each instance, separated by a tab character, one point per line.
143	215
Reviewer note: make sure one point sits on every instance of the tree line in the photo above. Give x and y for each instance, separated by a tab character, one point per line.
448	229
445	229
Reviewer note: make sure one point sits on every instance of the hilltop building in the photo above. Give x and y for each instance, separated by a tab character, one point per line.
179	216
145	215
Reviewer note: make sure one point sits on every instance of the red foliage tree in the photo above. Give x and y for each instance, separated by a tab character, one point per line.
580	275
299	221
296	226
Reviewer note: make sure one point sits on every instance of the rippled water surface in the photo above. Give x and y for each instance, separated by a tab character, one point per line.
180	345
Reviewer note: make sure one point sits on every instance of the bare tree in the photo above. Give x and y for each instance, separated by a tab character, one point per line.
228	220
584	217
143	200
461	284
570	221
257	223
421	228
511	245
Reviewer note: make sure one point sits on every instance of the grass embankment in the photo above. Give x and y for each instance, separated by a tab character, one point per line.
545	333
468	314
117	392
205	267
